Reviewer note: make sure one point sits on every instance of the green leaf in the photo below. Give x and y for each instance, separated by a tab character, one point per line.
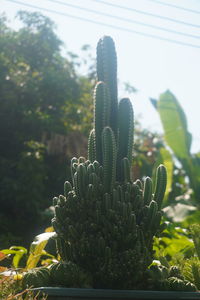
191	219
18	253
195	231
17	257
175	125
174	241
37	247
18	248
178	138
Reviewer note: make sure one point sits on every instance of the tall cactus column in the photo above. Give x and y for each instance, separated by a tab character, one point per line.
105	222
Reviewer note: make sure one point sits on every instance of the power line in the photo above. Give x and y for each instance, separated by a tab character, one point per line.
125	19
176	6
106	25
147	13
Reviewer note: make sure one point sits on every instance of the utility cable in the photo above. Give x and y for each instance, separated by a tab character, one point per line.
146	13
125	19
176	6
106	25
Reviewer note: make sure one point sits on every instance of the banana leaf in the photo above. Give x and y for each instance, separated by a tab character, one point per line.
174	123
178	138
37	248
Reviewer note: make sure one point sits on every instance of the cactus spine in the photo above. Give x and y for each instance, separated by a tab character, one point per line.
105	222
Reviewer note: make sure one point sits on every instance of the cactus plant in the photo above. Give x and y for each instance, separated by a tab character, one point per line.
36	277
105	222
168	279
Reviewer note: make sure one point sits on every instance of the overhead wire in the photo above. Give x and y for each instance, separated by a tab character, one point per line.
146	13
176	6
124	19
106	25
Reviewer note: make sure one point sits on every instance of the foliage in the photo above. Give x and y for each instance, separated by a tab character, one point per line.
179	139
43	99
10	289
37	249
181	247
168	279
12	280
149	153
173	241
191	271
23	260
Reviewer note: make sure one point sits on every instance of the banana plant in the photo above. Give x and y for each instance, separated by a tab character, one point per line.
179	139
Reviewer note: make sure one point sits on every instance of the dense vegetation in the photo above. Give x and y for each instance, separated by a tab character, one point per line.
44	112
45	117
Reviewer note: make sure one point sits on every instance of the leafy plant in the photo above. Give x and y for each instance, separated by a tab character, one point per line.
11	289
191	266
14	280
179	139
45	108
173	243
181	247
32	257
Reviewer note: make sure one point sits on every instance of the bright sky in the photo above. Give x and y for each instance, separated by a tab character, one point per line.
150	65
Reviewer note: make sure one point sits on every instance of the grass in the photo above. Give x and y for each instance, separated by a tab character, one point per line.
10	289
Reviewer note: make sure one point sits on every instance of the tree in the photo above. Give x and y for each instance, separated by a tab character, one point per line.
42	102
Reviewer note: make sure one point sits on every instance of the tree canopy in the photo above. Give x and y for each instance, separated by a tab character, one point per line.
43	101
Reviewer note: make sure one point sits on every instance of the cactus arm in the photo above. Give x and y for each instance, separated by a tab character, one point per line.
161	182
107	72
125	174
147	192
153	209
126	128
109	158
101	116
67	188
74	161
91	146
81	180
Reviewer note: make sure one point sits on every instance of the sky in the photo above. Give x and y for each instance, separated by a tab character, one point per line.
151	65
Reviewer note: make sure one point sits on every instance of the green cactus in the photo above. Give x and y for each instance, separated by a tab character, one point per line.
107	72
147	192
91	146
159	277
125	124
36	278
101	116
105	222
109	159
68	274
117	217
161	182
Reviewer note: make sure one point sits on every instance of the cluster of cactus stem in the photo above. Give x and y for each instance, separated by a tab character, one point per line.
105	222
168	278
